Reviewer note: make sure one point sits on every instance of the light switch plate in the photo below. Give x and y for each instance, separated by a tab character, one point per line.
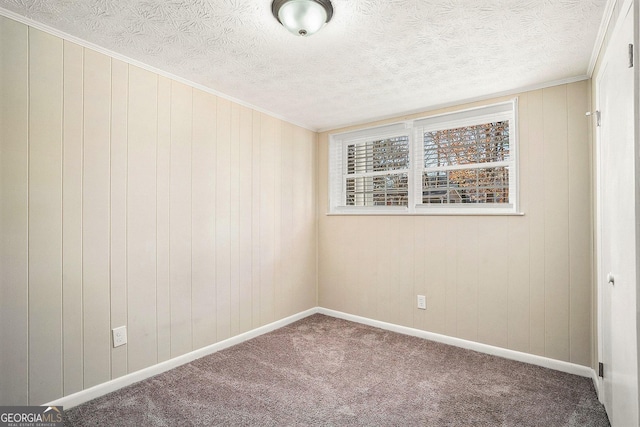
422	302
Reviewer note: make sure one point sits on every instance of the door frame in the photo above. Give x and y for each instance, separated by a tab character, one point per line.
627	7
598	267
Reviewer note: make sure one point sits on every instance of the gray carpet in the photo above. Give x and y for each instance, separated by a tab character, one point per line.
322	371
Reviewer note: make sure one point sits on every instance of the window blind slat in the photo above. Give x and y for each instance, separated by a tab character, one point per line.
380	190
378	155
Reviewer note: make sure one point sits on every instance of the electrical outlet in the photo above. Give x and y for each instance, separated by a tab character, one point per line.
119	336
422	302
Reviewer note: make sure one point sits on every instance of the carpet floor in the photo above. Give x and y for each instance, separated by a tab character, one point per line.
323	371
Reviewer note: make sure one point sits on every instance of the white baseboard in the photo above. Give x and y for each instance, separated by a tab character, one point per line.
134	377
545	362
597	383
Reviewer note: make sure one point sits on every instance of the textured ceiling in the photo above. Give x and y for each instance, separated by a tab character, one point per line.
376	58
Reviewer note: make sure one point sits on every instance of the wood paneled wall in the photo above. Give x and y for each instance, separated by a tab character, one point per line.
517	282
128	198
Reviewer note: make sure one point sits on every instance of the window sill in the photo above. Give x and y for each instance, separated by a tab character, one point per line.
369	213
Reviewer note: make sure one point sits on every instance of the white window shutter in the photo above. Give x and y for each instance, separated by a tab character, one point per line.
463	162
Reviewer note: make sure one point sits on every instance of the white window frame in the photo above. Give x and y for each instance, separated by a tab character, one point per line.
414	130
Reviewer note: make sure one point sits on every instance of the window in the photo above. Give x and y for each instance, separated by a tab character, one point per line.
462	162
467	165
377	172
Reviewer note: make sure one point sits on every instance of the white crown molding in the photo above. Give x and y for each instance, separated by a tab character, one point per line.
68	37
602	32
429	108
352	71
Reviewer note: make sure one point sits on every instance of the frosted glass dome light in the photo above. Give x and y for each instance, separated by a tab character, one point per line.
302	17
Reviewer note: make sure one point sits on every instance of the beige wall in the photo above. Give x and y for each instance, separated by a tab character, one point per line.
127	198
517	282
131	199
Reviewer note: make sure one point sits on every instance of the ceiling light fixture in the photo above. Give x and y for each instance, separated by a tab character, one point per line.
302	17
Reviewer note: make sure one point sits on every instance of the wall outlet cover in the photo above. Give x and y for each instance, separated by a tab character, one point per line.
119	336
